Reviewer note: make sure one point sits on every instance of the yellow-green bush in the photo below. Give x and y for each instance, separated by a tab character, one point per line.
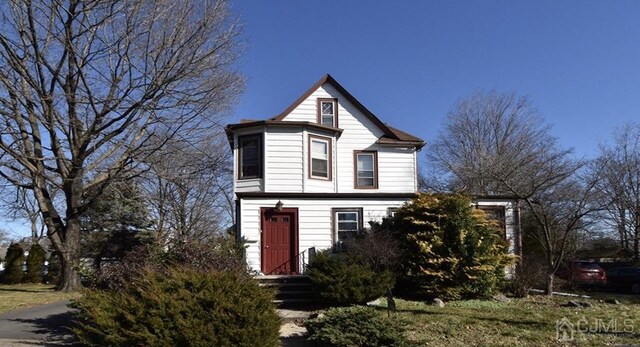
180	306
450	250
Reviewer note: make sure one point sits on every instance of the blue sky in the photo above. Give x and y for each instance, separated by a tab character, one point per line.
410	61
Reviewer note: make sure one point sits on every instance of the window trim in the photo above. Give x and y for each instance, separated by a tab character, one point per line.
242	138
335	110
391	211
375	169
334	221
329	142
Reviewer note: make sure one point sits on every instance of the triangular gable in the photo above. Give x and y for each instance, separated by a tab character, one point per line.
388	132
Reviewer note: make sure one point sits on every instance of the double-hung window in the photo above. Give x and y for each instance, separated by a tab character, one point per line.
347	223
319	157
249	156
328	112
366	169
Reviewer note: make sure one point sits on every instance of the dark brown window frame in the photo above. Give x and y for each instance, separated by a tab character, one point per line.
329	159
375	169
335	110
334	220
260	139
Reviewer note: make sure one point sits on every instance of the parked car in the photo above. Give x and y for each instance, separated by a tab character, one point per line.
624	278
585	273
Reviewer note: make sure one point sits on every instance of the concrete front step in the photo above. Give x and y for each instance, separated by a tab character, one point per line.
290	290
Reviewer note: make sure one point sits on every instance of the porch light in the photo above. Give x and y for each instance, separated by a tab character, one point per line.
279	205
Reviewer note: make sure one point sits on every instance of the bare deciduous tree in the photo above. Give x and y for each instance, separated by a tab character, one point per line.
620	165
189	187
20	204
498	144
84	86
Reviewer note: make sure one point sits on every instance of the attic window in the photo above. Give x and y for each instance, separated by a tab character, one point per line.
328	112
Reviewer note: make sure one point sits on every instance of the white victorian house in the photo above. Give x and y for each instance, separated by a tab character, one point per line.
317	172
322	170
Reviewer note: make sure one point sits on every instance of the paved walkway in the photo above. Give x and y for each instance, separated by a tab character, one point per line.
42	325
47	326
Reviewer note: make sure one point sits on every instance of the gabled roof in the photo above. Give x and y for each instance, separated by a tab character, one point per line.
391	135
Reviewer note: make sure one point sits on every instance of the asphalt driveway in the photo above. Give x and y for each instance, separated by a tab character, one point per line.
42	325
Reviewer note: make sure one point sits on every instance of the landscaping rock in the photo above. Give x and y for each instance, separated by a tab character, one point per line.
375	302
437	302
573	303
612	301
501	298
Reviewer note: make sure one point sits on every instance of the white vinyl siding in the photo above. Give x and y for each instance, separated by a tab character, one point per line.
319	162
315	228
366	170
396	166
284	160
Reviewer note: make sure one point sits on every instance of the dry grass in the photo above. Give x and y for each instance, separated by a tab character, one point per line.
521	322
25	295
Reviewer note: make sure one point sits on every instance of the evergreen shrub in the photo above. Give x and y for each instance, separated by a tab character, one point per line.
343	279
35	264
450	250
54	268
355	326
179	306
14	261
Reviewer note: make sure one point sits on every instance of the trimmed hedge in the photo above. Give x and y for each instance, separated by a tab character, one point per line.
180	306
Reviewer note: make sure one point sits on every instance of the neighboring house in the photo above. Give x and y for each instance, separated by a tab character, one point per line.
318	172
3	254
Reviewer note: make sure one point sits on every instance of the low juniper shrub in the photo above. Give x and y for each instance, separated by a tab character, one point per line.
179	306
355	326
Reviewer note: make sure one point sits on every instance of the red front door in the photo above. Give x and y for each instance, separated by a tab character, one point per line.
279	241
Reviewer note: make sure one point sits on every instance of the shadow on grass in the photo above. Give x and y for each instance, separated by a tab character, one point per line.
21	290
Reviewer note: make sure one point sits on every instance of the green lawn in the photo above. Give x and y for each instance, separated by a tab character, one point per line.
521	322
24	295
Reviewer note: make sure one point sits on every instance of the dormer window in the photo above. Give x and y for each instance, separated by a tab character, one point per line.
328	112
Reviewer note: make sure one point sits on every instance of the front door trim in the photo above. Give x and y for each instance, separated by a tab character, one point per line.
294	237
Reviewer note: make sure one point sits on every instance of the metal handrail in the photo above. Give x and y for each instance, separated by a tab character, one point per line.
300	259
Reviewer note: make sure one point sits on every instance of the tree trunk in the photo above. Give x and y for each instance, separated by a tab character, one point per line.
549	284
70	258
